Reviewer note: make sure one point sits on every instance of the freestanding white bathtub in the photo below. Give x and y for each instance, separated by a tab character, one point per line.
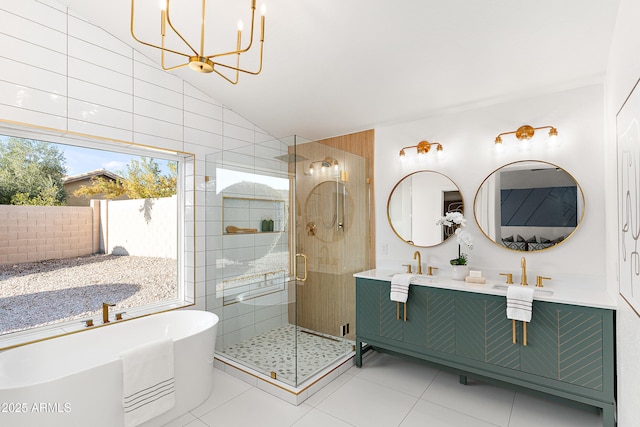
76	380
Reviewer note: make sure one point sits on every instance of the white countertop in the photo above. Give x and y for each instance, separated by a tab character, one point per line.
553	291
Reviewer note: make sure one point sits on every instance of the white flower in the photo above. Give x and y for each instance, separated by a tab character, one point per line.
463	236
452	218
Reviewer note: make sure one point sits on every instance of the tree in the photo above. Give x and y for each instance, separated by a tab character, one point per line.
142	180
31	172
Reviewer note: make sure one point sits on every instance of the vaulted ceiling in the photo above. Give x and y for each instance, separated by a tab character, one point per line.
339	66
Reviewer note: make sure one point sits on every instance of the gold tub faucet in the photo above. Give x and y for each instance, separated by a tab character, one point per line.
105	311
523	264
417	255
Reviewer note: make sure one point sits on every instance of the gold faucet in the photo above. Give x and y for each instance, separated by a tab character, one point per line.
539	280
105	312
430	270
509	277
419	257
523	264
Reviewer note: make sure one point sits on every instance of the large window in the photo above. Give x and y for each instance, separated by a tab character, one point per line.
81	226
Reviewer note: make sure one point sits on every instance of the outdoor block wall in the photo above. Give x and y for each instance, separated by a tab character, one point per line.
37	233
141	227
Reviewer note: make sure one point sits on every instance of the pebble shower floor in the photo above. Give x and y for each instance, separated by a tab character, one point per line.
275	351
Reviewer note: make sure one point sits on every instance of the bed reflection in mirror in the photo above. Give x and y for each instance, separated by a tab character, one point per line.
529	206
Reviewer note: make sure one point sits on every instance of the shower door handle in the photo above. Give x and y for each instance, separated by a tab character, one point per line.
306	270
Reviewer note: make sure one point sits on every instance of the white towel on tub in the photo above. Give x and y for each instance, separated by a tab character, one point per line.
148	381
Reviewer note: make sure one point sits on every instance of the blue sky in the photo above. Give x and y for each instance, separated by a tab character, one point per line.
80	160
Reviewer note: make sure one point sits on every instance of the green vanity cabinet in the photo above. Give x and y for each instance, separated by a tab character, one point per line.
385	318
569	351
429	322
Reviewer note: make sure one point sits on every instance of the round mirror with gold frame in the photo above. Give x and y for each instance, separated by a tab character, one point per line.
417	202
529	206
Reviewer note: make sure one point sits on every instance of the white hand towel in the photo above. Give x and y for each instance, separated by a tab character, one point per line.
519	301
400	287
148	382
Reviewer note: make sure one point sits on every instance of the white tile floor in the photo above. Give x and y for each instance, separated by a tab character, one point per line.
388	391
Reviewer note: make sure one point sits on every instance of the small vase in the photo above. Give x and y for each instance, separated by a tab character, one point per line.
459	272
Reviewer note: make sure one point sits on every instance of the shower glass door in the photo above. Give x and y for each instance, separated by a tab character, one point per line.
330	213
286	228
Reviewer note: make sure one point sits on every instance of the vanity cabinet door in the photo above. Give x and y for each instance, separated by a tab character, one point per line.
586	351
499	347
470	326
541	354
440	322
378	316
410	327
368	307
415	327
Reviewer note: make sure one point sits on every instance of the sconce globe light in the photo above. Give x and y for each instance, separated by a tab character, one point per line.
525	132
197	59
325	164
423	148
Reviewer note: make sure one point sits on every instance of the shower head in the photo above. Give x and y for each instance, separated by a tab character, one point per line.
291	158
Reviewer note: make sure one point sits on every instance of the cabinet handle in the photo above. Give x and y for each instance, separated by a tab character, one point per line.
398	311
306	270
524	332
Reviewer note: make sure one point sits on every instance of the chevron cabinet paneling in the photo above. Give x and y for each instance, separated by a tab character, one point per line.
569	349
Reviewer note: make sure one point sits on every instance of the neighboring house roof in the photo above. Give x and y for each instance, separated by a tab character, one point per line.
88	175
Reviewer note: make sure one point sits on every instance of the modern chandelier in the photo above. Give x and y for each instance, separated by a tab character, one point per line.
196	59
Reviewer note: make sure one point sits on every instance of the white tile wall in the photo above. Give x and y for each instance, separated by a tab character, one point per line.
30	76
21	97
95	54
101	95
152	92
202	122
95	84
16	18
99	76
103	87
99	38
210	141
144	71
16	49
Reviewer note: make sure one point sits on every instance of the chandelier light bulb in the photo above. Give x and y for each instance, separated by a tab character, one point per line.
225	64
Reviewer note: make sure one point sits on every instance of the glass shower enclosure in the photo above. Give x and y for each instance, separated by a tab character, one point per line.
287	226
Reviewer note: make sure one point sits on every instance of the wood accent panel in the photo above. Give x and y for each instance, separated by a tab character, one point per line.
327	299
362	144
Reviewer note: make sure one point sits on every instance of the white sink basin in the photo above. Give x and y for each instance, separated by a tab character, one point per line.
537	291
425	280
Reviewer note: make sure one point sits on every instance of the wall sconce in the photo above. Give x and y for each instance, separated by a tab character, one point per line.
526	132
325	164
423	148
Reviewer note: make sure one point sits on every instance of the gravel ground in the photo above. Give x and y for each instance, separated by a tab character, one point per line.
41	293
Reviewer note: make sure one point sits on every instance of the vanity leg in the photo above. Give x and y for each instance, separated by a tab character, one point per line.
463	379
358	356
609	416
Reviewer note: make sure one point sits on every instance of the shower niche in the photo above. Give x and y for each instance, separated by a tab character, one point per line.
249	215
